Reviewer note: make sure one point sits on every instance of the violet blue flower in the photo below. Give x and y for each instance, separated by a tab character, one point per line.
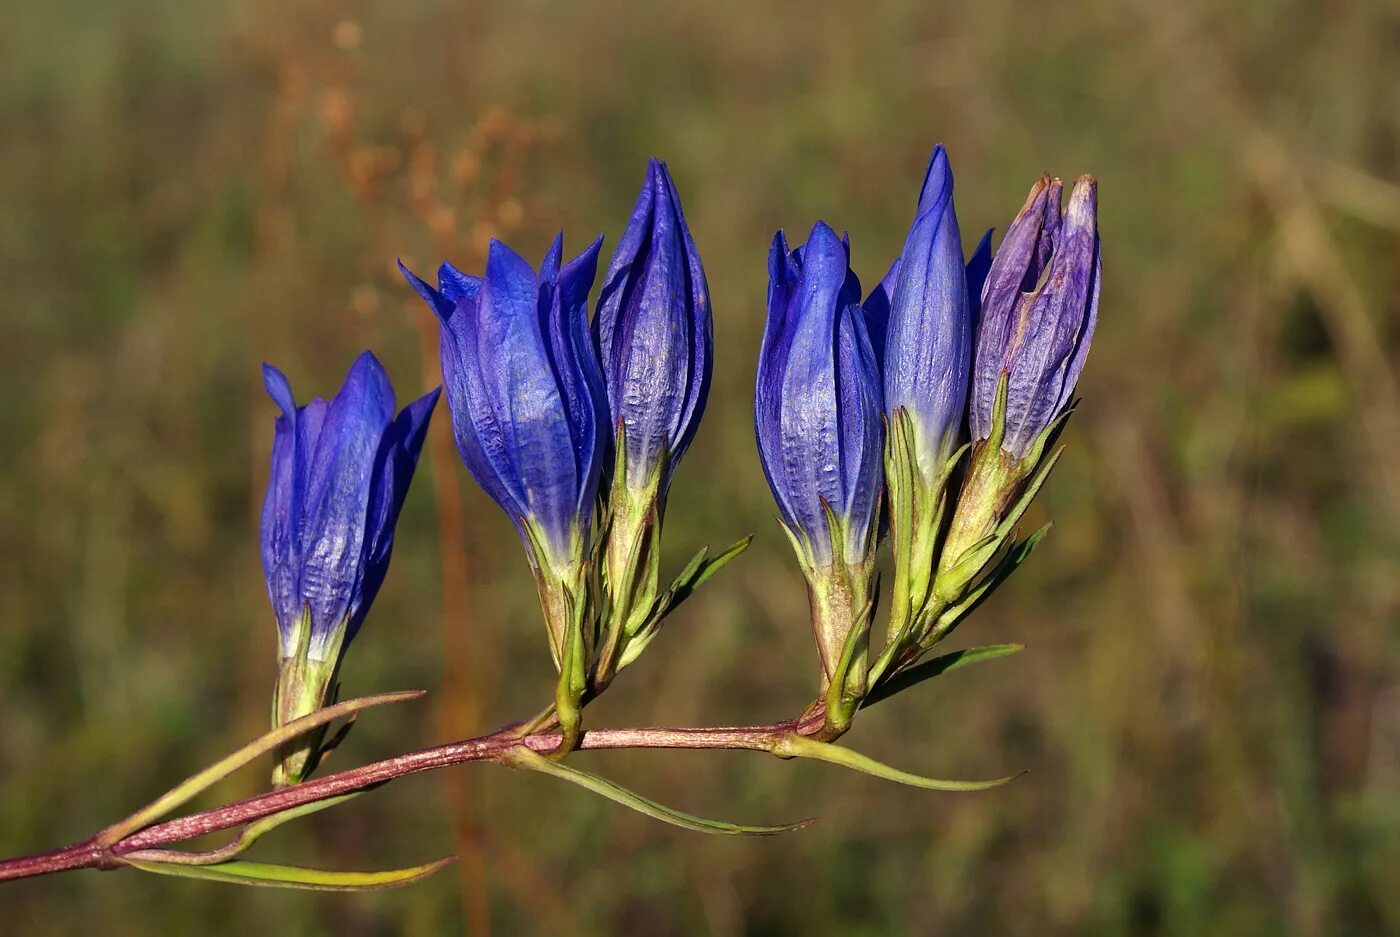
817	400
525	391
340	471
817	415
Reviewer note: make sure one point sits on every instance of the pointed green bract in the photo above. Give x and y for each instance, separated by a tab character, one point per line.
797	746
267	875
936	667
201	781
526	758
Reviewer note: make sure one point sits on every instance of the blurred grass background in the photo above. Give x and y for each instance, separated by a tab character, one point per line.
1209	705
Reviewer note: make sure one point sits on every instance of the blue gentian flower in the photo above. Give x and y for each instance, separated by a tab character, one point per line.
1039	307
818	400
654	334
530	415
340	471
656	345
525	391
817	415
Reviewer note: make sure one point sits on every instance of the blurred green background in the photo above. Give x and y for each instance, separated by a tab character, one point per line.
1209	706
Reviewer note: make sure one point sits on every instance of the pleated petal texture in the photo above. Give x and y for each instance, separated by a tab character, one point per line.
524	388
654	332
818	400
340	472
1038	312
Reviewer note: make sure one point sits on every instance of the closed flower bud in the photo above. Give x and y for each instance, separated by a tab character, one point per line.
655	344
529	415
817	415
654	335
927	349
340	471
928	341
1039	307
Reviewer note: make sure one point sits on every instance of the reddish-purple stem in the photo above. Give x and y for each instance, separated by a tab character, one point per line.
90	854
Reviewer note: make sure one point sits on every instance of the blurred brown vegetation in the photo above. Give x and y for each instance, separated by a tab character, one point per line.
1210	703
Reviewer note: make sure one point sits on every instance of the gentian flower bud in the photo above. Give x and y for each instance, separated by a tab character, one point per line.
817	415
529	412
655	343
1039	307
928	342
340	472
926	362
1038	314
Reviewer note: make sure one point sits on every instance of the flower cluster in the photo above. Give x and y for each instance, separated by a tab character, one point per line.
858	401
926	410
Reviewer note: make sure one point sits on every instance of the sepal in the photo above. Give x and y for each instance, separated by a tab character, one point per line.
268	875
304	685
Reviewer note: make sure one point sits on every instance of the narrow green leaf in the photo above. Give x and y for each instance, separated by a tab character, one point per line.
522	757
938	666
290	876
201	781
797	746
1009	563
719	560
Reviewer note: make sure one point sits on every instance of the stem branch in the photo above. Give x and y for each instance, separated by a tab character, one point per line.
92	854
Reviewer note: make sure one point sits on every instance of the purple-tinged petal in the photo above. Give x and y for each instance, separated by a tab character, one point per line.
1047	340
1000	298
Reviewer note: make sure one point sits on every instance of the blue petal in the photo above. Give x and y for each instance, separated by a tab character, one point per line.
579	377
456	285
798	405
337	496
928	343
654	331
519	442
393	471
440	304
977	267
280	544
877	312
861	428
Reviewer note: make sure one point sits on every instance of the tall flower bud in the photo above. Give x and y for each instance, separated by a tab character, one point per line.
926	363
1039	307
340	472
817	416
654	338
528	412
